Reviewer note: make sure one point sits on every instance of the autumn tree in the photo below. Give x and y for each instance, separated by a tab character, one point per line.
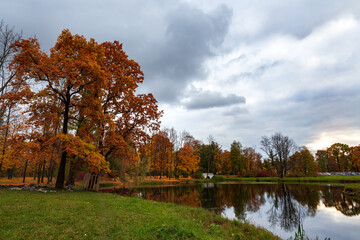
126	116
354	155
338	157
252	160
224	166
176	141
89	89
188	159
237	158
338	153
159	154
322	160
302	161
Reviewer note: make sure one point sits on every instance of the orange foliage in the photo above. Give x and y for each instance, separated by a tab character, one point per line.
86	87
224	166
159	153
188	158
355	158
87	152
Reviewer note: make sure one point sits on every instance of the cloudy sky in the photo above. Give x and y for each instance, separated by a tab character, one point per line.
236	70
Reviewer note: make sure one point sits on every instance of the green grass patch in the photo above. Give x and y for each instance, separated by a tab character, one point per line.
90	215
328	179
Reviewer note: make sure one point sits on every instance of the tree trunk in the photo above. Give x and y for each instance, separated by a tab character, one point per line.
52	171
39	173
70	179
49	170
43	172
24	176
10	173
6	134
51	163
61	173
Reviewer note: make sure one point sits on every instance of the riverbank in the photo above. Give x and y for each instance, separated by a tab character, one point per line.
90	215
327	179
351	183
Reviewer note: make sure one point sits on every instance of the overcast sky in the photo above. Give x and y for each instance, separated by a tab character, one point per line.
236	70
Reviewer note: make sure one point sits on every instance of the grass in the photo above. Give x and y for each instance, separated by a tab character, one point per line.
329	179
90	215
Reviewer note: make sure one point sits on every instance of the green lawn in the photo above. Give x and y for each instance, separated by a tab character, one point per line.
332	179
90	215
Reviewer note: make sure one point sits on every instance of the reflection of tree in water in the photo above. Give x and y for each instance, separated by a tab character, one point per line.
248	198
289	203
209	200
188	195
285	210
307	196
334	197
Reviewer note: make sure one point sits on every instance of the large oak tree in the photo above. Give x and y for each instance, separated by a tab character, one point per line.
89	89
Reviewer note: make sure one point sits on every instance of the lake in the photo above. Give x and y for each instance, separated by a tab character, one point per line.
323	210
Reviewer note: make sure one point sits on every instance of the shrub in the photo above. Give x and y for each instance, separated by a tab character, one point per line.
218	178
198	175
266	173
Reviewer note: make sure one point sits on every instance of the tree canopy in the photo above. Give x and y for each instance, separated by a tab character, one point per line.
83	94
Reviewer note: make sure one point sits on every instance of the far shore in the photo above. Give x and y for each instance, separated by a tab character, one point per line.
351	183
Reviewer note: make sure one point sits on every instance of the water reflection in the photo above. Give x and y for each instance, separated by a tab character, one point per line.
278	207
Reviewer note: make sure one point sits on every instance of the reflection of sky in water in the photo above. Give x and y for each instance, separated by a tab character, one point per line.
328	222
276	207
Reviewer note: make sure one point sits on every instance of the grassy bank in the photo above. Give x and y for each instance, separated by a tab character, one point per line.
89	215
327	179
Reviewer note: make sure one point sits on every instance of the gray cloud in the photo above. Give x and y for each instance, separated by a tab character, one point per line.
302	94
235	111
170	40
295	17
190	37
257	72
209	99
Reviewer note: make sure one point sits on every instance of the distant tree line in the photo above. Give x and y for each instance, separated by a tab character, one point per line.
173	154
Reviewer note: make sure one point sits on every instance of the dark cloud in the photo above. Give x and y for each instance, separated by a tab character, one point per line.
209	99
173	42
170	40
190	37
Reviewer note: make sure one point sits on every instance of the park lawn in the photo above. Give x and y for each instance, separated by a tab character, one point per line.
90	215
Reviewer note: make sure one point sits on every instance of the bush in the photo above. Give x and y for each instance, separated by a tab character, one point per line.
198	175
218	178
185	174
266	173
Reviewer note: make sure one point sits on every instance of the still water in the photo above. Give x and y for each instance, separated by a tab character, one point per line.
324	211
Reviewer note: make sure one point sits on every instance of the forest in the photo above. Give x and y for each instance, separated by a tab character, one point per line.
75	109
